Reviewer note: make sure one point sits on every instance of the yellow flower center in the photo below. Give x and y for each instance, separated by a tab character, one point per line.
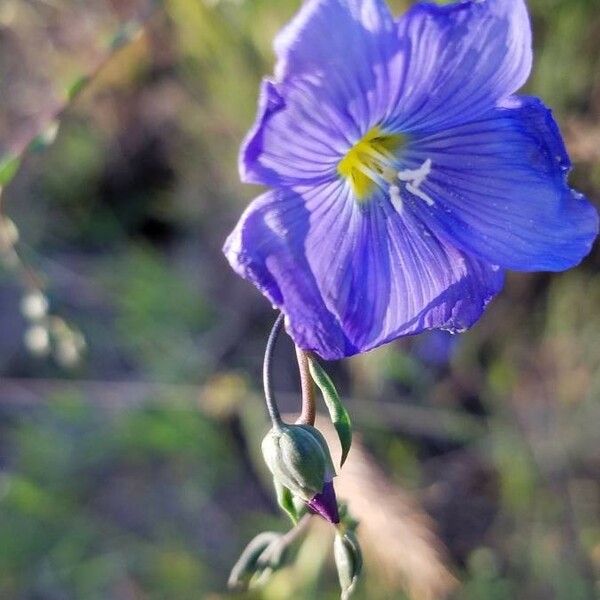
371	161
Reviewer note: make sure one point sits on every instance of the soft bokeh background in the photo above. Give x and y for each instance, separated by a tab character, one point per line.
128	462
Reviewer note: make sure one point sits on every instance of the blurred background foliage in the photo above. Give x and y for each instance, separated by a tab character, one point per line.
128	464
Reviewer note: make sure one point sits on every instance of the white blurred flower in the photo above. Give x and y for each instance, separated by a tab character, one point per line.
37	340
66	352
34	306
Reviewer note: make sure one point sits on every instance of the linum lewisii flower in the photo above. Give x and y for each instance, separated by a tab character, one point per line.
405	173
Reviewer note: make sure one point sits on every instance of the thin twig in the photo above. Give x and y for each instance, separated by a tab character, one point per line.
295	532
40	136
124	38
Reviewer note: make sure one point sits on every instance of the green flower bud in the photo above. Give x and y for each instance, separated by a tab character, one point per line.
348	560
299	458
261	557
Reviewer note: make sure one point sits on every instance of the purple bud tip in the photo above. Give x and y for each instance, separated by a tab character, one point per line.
325	504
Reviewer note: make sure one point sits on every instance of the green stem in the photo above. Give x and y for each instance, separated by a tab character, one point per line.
272	408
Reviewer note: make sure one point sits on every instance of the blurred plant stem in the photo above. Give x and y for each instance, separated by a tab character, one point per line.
45	329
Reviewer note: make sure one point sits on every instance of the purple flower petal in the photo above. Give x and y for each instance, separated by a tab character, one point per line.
295	140
342	46
267	249
350	278
325	504
462	59
500	189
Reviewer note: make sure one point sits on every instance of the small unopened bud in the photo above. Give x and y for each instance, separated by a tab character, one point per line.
299	458
263	555
34	306
37	340
348	560
66	353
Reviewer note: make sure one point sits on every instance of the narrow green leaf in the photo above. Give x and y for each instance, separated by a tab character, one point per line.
74	89
285	500
337	411
9	165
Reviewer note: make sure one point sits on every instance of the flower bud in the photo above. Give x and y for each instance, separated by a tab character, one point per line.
299	458
263	555
348	560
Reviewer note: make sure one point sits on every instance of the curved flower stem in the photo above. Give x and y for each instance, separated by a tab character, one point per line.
272	408
297	530
307	417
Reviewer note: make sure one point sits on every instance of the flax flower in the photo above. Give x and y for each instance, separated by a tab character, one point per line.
405	175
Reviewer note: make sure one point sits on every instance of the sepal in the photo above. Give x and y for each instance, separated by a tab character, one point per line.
337	411
285	499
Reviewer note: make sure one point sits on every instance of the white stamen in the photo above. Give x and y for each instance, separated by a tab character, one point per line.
420	194
414	178
382	156
396	199
370	173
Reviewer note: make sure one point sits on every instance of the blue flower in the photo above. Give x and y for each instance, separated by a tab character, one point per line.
405	174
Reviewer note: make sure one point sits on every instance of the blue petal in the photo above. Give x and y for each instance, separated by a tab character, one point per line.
385	274
267	249
330	88
295	139
500	189
325	24
462	59
343	46
351	278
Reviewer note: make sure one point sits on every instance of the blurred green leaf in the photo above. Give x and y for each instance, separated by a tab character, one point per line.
74	89
9	165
